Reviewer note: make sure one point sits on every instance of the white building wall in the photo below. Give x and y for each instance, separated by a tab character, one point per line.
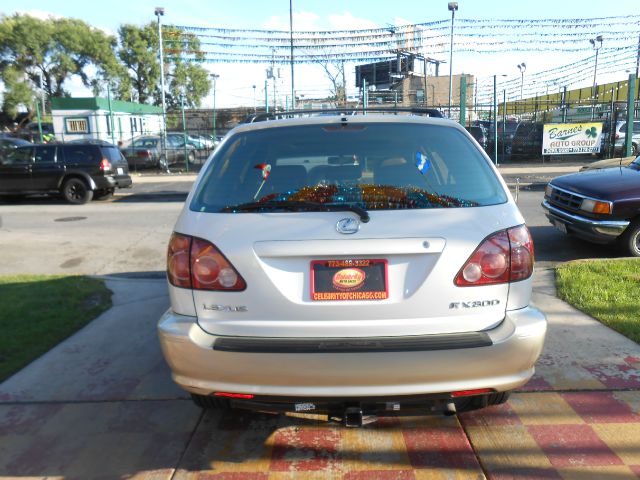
126	125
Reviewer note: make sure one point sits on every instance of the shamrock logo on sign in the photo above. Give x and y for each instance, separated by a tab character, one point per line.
591	132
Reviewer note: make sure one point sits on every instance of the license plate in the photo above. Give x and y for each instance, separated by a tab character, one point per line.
560	226
352	279
120	170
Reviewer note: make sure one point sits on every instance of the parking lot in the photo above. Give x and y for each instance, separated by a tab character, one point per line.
102	403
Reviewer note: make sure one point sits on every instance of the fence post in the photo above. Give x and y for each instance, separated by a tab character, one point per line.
495	122
184	133
463	100
39	121
631	90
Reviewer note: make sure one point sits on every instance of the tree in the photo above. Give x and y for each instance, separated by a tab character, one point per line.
334	71
139	53
49	52
17	93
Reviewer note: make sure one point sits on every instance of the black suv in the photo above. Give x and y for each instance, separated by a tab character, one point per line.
77	171
527	140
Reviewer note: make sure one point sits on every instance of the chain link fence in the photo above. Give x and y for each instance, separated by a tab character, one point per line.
193	134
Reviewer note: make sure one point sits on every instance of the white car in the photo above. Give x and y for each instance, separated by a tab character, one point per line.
621	135
350	264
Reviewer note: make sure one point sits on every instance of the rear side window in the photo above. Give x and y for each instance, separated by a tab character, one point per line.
81	154
376	166
112	154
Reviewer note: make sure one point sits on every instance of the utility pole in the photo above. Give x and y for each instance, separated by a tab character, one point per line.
293	93
273	76
344	86
159	12
638	66
214	77
452	6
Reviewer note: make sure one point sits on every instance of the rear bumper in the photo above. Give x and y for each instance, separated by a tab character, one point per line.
112	181
123	181
598	231
505	364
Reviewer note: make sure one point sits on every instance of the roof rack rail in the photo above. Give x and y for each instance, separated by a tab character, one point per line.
260	117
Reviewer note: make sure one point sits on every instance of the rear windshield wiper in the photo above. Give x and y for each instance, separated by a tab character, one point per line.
298	206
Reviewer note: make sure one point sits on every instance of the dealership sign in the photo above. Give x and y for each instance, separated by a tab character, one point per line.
571	138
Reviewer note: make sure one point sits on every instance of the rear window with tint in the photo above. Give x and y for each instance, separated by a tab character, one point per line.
112	154
381	166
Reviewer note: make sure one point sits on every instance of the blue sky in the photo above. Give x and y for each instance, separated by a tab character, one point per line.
234	87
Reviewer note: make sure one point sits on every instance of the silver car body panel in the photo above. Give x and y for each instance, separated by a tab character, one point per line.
507	364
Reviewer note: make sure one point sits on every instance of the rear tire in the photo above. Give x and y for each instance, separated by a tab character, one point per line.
162	164
481	401
629	241
207	402
75	191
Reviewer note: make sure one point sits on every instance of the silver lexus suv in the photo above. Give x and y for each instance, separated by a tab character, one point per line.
348	264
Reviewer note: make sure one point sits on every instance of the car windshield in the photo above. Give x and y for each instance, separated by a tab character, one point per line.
373	166
145	142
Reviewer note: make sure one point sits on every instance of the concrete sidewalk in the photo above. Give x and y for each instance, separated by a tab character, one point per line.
101	405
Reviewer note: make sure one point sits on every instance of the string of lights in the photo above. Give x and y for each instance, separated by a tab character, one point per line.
219	45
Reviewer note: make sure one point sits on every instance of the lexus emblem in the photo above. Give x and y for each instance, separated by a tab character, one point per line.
347	226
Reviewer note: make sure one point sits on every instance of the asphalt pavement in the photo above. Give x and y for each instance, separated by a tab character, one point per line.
102	405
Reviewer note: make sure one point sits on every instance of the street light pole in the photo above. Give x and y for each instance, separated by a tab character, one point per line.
159	12
453	6
293	95
255	108
214	76
522	67
596	43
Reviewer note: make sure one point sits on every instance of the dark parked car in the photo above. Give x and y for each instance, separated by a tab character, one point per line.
527	141
146	151
506	131
8	144
621	134
31	132
600	206
77	171
480	135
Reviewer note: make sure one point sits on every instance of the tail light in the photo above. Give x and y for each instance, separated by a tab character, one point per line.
143	153
198	264
105	165
505	256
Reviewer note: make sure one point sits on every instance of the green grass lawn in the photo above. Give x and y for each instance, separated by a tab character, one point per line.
39	311
608	290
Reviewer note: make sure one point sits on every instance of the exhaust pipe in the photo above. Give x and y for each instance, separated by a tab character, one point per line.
352	417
